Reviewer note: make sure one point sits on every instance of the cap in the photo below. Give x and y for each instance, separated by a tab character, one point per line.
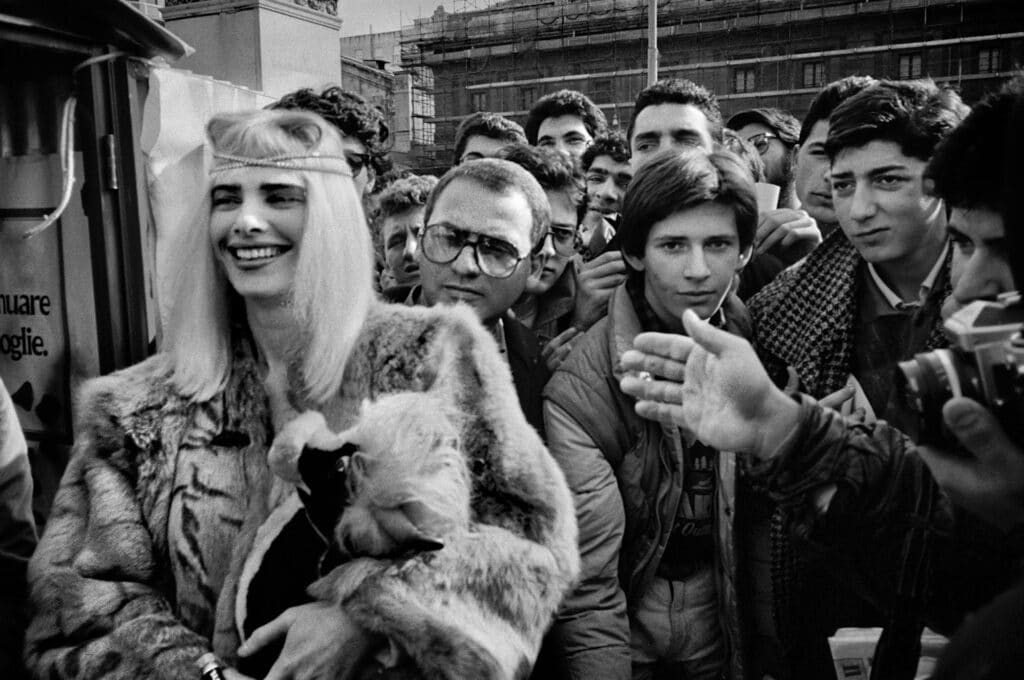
785	124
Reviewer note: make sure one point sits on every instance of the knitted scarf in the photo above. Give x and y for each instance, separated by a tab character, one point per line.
806	317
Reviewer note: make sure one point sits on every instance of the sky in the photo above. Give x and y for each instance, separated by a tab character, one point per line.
389	15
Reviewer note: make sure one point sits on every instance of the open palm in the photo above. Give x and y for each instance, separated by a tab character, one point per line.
710	383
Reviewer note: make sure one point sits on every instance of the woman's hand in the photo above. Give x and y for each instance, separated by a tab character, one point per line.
232	674
321	642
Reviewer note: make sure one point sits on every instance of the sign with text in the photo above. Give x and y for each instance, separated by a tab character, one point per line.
33	327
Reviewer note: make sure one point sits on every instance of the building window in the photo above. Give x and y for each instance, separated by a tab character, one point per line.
910	66
989	60
527	97
478	101
743	80
601	90
814	74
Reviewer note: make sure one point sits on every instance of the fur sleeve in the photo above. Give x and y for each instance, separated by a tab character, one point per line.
480	606
97	608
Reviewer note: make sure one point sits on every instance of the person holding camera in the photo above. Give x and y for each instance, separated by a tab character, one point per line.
889	513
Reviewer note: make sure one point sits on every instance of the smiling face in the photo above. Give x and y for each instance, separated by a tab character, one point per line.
399	233
689	262
812	175
980	268
667	126
567	134
256	225
467	205
880	202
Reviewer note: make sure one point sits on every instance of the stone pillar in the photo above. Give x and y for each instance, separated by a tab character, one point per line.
274	46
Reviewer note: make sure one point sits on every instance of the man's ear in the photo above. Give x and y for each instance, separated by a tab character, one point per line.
633	261
745	257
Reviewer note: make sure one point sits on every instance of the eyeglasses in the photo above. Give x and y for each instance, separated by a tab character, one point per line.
565	240
760	141
442	243
357	161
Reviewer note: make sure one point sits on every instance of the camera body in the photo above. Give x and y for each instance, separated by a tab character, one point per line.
985	362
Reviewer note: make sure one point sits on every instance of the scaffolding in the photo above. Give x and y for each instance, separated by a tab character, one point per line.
503	56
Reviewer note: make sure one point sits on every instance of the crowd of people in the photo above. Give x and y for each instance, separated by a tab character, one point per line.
594	404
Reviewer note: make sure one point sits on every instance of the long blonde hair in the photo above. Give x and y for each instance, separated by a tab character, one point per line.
333	285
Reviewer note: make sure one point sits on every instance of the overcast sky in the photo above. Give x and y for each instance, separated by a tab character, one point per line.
389	15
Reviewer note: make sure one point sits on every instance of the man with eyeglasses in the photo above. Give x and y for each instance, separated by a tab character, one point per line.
486	223
786	230
546	306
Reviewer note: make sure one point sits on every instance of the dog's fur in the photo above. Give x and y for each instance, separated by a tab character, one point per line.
408	486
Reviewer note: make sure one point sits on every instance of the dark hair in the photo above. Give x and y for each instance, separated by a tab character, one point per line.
915	114
970	164
349	113
831	96
680	91
677	179
553	170
746	152
784	123
487	124
565	103
500	176
611	143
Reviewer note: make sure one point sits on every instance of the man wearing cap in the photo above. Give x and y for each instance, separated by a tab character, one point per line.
789	232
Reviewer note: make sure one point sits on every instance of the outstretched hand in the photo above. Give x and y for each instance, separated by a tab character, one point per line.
990	482
711	383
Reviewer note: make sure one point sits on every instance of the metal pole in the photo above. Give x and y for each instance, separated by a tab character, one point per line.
652	41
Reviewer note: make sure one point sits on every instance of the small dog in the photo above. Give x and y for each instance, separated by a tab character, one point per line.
397	477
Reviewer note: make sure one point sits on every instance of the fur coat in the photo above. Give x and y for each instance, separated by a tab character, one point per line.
138	572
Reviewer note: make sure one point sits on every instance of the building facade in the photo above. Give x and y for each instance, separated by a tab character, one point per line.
766	53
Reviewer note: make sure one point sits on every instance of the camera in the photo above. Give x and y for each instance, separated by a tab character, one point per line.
985	362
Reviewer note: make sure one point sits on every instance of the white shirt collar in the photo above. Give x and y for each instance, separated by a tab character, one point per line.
894	300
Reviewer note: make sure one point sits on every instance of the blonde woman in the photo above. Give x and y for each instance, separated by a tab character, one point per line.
168	506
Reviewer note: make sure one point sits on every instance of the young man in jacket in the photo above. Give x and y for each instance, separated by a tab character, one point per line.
847	481
654	506
867	298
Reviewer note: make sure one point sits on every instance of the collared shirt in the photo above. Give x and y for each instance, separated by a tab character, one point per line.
894	300
888	330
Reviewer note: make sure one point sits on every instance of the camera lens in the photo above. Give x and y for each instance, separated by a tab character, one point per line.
931	379
926	386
